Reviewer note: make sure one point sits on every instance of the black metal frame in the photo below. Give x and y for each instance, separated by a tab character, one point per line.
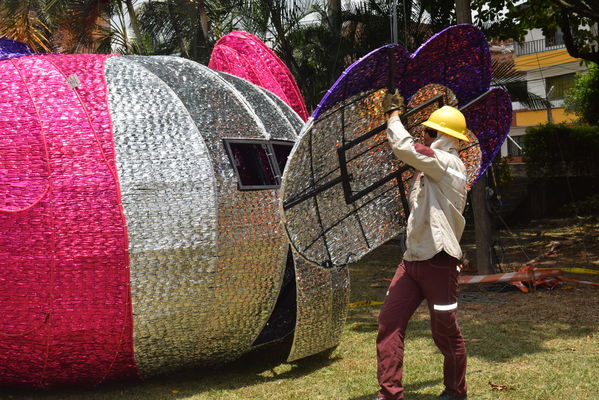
345	177
270	154
349	194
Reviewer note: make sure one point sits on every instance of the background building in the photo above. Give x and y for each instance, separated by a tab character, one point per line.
548	69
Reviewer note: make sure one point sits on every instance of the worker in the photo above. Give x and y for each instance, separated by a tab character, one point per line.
429	269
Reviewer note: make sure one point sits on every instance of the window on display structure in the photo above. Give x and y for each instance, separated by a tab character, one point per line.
258	164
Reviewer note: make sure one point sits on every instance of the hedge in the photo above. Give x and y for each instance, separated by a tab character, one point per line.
553	150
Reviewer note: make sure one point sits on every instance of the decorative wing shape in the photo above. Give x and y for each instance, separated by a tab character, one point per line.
343	190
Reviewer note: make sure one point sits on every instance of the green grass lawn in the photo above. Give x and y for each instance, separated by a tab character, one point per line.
541	345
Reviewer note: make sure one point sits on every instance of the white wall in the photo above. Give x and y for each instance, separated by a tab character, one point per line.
536	77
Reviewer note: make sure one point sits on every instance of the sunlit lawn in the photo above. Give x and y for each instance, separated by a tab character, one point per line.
541	345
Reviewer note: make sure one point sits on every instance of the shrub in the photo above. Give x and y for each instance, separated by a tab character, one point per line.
582	98
553	150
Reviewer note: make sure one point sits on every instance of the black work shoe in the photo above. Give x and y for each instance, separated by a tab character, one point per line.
447	396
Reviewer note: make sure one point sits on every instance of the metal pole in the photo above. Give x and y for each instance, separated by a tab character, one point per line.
549	105
393	11
514	142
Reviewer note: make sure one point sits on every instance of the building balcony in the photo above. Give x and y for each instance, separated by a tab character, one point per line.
539	46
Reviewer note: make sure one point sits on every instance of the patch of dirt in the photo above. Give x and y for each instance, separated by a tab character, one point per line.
570	303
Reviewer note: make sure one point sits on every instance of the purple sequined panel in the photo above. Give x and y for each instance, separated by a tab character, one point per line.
490	120
458	58
11	48
369	72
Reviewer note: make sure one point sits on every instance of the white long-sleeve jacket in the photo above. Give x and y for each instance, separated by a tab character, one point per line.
438	194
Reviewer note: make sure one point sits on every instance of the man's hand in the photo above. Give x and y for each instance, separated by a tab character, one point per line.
393	101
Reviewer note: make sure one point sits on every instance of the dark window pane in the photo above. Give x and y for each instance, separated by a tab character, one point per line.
282	151
561	84
251	161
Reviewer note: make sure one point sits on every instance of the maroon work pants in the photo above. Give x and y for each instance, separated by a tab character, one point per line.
435	280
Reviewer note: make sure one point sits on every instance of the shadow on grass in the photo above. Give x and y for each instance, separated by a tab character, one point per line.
497	333
497	340
256	367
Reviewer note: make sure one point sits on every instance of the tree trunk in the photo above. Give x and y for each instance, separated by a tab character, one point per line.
177	28
203	15
463	12
482	219
482	226
125	30
334	14
135	25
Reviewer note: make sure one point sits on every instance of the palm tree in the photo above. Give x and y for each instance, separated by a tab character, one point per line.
70	25
187	27
507	77
28	21
318	52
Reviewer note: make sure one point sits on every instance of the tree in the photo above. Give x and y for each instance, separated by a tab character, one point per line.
29	21
511	19
478	194
582	99
187	27
71	26
553	150
317	52
334	15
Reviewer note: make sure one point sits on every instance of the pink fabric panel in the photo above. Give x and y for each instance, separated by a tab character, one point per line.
230	62
244	55
92	92
64	277
24	168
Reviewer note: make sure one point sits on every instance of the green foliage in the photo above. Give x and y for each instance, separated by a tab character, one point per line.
504	19
187	28
561	150
69	26
582	99
30	21
317	54
317	60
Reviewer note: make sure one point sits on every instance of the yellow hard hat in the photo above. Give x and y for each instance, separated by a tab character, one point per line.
448	120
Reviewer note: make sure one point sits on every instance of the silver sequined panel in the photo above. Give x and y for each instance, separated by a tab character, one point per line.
236	295
287	111
169	197
322	297
325	227
277	125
